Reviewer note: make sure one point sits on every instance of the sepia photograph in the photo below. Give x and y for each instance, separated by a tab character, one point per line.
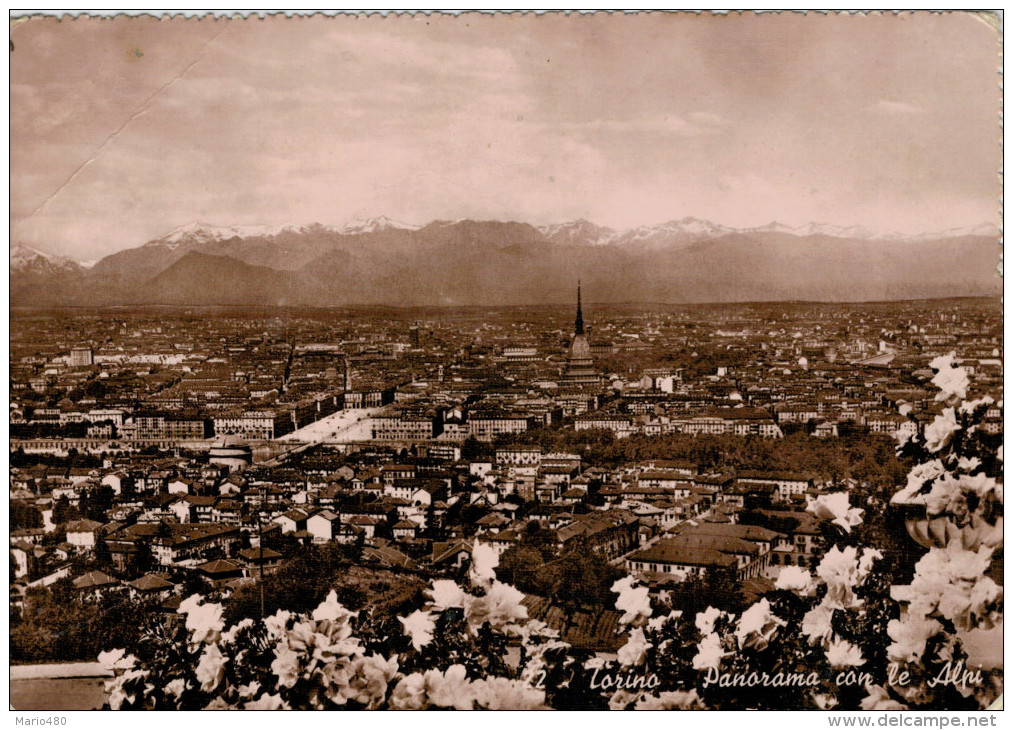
477	360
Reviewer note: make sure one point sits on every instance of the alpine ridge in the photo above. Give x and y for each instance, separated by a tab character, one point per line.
468	262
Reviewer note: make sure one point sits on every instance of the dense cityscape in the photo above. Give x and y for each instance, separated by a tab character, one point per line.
267	457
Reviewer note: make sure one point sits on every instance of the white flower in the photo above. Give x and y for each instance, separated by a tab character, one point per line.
797	580
706	619
210	668
331	610
484	560
945	496
869	556
917	478
277	624
679	700
203	620
842	654
839	571
968	465
266	702
951	380
500	607
634	652
757	625
446	594
655	624
986	604
117	659
410	693
981	484
368	685
836	508
450	688
230	636
910	636
420	627
286	666
500	693
879	699
708	653
175	688
633	602
940	432
825	701
117	695
816	623
970	406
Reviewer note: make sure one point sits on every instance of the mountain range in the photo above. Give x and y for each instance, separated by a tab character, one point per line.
465	262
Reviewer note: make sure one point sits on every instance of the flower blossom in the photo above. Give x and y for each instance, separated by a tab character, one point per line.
633	601
634	652
879	699
949	378
266	702
705	620
420	627
175	688
816	623
658	622
910	636
446	594
842	654
211	668
203	620
709	653
368	680
331	610
757	625
277	624
797	580
116	659
839	571
939	433
500	607
678	700
484	560
410	693
500	693
286	666
836	508
450	688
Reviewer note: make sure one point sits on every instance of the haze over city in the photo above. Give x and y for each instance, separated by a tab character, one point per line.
124	130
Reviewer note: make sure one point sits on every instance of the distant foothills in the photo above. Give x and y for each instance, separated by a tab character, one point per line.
467	262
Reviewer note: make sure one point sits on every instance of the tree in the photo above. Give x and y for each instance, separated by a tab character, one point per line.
63	511
143	560
580	578
520	566
103	558
25	516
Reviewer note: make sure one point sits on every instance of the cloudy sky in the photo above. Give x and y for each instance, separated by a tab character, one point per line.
124	129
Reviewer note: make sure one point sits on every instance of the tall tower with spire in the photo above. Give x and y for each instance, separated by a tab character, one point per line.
578	325
579	365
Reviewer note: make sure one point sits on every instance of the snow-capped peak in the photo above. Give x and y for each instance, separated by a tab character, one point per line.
25	257
204	233
579	230
375	225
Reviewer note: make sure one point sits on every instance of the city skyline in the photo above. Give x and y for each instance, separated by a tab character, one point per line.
123	130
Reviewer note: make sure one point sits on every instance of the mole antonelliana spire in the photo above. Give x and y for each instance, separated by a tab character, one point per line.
578	326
